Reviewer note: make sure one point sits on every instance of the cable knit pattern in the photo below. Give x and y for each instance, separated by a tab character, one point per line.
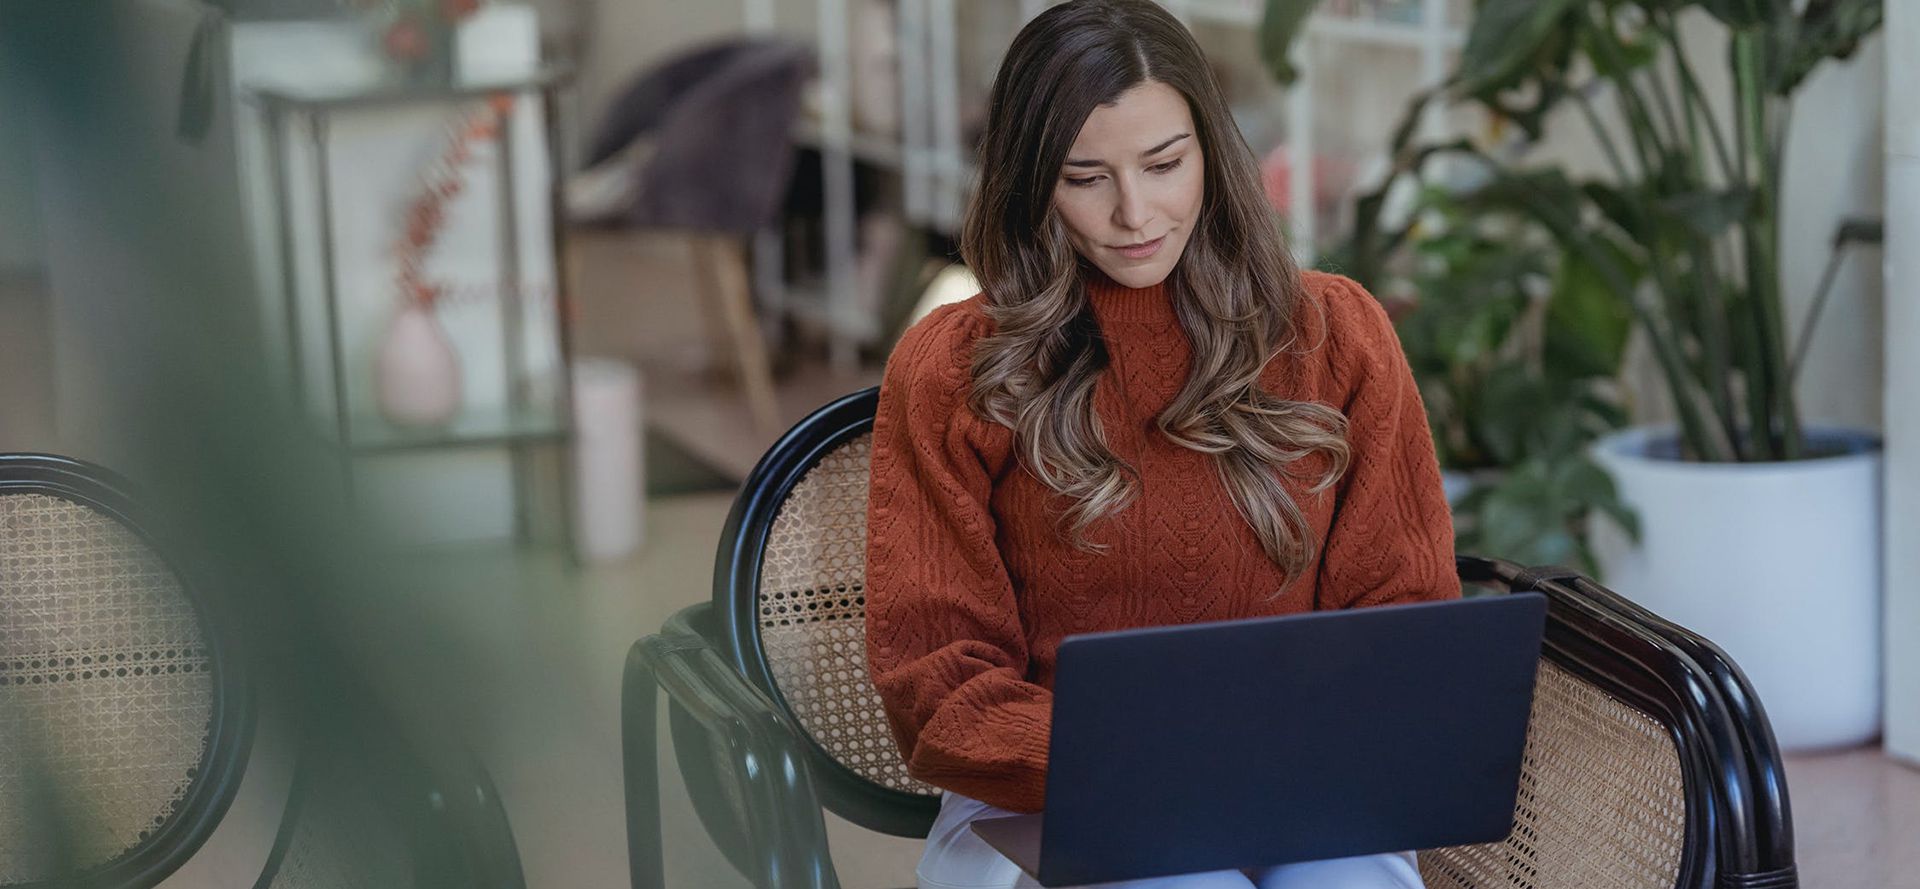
969	591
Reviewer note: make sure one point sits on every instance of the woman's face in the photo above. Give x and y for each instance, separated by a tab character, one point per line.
1131	187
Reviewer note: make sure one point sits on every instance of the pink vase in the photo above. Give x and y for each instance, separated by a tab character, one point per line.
417	375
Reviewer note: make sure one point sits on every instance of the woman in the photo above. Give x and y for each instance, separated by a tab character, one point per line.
1148	417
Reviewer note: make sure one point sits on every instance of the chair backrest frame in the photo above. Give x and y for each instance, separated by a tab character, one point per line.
1758	846
1738	804
736	588
230	727
1625	663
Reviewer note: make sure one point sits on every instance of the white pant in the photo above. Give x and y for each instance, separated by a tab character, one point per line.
956	858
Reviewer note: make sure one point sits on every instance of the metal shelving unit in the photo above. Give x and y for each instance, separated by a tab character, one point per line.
522	421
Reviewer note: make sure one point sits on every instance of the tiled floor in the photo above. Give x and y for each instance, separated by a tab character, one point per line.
1856	818
520	657
550	728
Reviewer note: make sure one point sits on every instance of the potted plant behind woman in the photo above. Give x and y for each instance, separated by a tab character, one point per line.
1758	529
1517	351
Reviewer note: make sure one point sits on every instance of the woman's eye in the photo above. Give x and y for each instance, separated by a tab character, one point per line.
1084	181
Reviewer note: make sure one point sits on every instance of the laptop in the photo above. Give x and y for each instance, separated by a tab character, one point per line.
1273	740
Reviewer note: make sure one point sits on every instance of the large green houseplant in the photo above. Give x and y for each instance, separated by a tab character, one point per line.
1685	233
1757	529
1516	351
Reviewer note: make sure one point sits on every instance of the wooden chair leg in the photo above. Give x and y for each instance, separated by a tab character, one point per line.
721	365
723	267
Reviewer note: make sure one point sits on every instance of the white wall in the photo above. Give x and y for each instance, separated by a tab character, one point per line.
1835	170
1902	381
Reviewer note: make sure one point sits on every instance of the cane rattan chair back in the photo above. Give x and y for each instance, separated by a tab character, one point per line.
790	597
1636	774
123	726
812	616
1602	800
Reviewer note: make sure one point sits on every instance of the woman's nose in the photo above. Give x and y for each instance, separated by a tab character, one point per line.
1130	211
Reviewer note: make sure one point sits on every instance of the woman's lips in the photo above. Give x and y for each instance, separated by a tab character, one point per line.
1141	251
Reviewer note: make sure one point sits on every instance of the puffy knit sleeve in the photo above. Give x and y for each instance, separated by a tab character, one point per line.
1391	540
945	644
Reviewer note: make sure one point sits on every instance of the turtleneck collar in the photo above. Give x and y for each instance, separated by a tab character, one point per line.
1115	303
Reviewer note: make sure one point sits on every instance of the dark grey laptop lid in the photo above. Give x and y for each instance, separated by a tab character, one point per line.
1266	741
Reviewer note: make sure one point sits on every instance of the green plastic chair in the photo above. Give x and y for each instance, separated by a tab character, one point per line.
1649	760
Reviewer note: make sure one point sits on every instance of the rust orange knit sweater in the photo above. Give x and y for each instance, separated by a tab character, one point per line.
969	592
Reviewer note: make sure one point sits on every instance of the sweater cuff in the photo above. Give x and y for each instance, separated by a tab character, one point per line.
1001	759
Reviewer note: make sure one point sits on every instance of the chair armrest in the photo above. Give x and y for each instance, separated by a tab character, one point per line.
1738	761
1771	850
785	832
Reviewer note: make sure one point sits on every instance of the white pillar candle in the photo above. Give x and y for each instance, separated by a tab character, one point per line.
609	490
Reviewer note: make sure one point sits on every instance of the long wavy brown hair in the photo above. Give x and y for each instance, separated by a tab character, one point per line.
1235	289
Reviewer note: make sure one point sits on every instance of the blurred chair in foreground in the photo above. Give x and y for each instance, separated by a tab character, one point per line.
366	811
702	145
127	709
1649	762
124	717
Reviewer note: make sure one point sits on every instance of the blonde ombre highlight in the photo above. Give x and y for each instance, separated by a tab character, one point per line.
1235	290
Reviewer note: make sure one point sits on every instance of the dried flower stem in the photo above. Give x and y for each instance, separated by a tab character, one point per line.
444	180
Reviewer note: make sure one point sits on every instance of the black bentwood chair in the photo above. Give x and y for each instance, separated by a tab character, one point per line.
126	720
124	717
1649	764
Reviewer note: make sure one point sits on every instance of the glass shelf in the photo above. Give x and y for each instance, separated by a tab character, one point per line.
400	93
473	428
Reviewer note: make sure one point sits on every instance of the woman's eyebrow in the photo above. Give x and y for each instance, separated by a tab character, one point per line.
1148	153
1164	145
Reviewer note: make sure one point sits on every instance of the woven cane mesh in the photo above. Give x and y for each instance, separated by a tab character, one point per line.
106	690
813	607
343	837
1601	804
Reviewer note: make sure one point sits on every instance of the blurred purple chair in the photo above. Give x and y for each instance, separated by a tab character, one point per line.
701	144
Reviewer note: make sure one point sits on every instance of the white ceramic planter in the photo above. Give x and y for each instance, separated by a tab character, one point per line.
1777	563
